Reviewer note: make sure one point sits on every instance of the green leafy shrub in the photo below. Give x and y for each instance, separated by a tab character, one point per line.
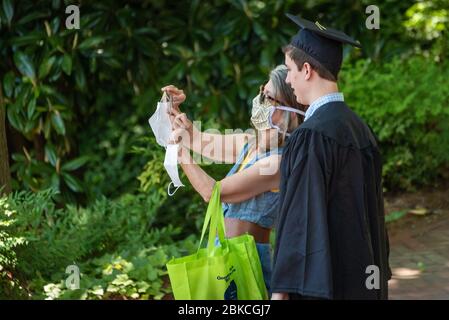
406	103
120	246
9	284
85	95
186	204
78	101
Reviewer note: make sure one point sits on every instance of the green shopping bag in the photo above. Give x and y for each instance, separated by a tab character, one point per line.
231	271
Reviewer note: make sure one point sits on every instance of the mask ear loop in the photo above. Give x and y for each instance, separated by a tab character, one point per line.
170	103
286	121
164	97
270	119
285	109
169	99
168	189
291	110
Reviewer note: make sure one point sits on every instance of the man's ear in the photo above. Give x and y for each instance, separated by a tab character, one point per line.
307	68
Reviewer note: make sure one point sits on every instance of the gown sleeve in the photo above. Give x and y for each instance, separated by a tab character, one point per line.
302	261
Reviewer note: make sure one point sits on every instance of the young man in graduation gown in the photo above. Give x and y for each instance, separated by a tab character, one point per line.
331	240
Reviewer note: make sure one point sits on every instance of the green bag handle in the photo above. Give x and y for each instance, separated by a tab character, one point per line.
214	215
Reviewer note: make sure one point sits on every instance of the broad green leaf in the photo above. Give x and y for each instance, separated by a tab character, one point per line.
258	29
24	64
114	63
31	108
14	119
34	16
55	179
55	75
47	127
50	153
146	31
75	164
67	64
23	93
29	126
18	157
55	25
91	42
198	78
8	84
73	183
8	9
58	123
80	78
26	39
46	66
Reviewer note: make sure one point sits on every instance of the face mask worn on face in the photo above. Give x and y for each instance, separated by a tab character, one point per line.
171	166
262	113
160	121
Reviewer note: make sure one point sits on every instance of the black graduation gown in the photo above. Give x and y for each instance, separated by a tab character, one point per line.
331	225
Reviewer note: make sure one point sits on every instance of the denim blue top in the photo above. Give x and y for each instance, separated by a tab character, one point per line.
262	209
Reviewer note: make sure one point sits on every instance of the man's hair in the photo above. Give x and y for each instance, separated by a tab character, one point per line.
300	57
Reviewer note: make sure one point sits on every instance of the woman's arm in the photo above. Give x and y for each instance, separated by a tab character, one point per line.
217	147
246	184
222	148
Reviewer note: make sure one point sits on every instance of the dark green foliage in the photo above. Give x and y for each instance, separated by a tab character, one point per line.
78	101
85	95
406	105
109	235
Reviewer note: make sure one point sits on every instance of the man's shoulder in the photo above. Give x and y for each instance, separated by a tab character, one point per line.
330	115
338	122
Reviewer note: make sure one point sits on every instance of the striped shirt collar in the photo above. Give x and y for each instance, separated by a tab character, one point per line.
321	101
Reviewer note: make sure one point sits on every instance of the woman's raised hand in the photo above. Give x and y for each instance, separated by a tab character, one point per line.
182	126
178	95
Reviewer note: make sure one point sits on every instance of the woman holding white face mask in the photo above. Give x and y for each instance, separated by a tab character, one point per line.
249	191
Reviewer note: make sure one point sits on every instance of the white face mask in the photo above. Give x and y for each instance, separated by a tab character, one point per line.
160	121
171	166
262	113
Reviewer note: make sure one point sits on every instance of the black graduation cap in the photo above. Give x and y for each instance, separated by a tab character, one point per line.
322	43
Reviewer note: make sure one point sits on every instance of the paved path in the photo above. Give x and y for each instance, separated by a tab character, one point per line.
419	257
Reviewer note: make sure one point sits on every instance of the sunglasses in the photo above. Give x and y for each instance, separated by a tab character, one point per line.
264	96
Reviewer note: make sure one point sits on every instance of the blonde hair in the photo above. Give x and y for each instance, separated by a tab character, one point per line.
283	92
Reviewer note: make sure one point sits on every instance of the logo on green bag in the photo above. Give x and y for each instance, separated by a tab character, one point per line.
231	290
228	276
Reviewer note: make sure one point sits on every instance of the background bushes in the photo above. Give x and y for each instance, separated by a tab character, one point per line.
120	246
406	102
87	175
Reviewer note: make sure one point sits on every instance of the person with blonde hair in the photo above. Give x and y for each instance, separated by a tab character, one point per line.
249	191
